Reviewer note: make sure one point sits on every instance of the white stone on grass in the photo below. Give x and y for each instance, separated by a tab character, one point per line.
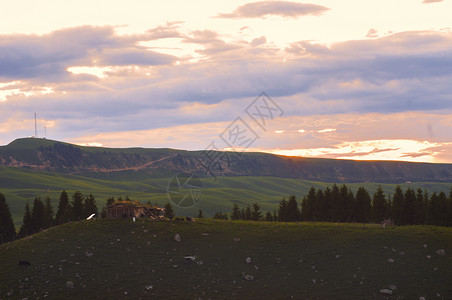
177	237
248	260
386	292
69	284
390	260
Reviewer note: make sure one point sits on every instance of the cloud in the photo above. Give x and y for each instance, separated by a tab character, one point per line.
431	1
258	41
262	9
372	33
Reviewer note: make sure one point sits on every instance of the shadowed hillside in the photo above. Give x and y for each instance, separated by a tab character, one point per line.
42	154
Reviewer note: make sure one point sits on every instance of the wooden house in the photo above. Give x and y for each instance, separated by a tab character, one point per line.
128	209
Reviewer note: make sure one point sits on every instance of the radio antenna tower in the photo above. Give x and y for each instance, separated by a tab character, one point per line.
36	128
45	132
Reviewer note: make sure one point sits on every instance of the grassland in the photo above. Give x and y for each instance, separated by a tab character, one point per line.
20	185
121	259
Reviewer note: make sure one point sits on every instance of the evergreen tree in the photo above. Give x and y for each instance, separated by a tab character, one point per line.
275	216
169	213
327	205
64	211
7	230
335	204
256	214
449	209
398	207
27	225
282	211
410	207
200	214
220	216
362	208
379	206
235	215
111	200
293	213
242	214
442	210
319	209
48	213
308	204
420	207
433	213
37	215
268	216
90	206
248	213
77	205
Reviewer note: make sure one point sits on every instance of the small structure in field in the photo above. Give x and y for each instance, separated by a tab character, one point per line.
128	209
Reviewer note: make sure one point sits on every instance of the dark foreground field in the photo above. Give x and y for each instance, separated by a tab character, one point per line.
121	259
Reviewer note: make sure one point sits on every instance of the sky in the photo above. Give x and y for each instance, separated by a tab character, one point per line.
349	79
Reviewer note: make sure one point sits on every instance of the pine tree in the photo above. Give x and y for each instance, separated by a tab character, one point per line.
282	211
379	206
37	215
169	213
235	215
308	204
335	204
419	208
7	230
200	214
410	206
433	207
111	200
293	213
268	216
362	209
398	207
64	211
442	210
27	225
256	214
48	213
319	206
275	216
90	206
77	205
242	214
248	213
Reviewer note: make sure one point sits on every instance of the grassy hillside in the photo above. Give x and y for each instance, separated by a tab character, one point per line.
41	154
20	185
121	259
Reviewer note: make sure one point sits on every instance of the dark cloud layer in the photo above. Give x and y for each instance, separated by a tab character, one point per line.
262	9
408	71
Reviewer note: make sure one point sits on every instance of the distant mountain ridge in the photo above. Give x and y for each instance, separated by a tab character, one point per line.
55	156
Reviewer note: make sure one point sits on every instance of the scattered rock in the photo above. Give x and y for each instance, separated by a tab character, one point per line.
236	239
386	292
149	287
390	260
393	287
428	256
88	254
401	253
69	284
247	276
338	256
441	252
256	267
248	260
177	237
425	245
199	263
313	281
421	298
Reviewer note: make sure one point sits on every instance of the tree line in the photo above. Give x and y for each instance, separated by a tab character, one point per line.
340	204
41	214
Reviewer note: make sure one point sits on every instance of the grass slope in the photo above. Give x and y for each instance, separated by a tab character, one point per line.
121	259
20	185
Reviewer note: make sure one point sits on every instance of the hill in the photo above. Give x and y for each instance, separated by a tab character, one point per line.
48	155
121	259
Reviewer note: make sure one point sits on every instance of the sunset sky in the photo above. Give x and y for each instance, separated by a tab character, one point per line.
352	79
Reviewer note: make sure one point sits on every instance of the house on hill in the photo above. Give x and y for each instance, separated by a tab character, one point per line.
128	209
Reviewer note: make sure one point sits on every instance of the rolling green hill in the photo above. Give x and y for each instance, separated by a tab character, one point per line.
121	259
20	185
